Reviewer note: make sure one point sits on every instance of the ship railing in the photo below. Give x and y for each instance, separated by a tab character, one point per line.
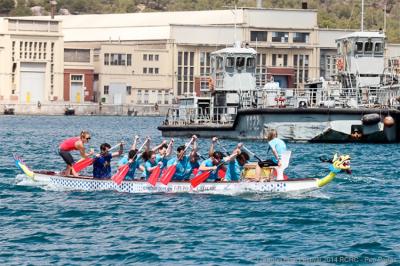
200	116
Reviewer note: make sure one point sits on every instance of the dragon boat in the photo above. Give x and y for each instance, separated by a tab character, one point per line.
247	184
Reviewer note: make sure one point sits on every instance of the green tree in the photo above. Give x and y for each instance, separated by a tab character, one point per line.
6	6
21	9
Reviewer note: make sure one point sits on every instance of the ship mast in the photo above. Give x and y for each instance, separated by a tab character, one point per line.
362	15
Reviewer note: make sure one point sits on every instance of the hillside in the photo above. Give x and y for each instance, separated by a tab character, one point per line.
343	14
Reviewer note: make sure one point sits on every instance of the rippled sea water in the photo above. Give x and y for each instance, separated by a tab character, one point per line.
353	220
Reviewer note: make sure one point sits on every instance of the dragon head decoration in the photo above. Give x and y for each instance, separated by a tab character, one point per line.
340	163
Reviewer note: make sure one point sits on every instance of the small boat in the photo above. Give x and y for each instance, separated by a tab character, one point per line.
246	185
9	110
69	111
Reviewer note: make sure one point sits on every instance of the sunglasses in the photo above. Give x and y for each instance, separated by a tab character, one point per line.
87	138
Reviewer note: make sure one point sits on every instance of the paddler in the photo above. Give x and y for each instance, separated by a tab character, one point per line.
185	164
215	162
74	143
102	162
150	164
134	159
235	166
164	151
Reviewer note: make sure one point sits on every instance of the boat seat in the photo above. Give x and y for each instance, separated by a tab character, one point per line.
284	164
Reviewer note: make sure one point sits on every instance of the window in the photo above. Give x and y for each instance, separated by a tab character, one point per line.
280	60
159	97
280	37
106	90
185	71
378	48
146	96
258	36
106	59
128	59
139	96
145	70
76	77
150	57
219	63
250	62
129	90
240	62
359	47
368	47
77	55
144	57
156	57
156	70
301	37
150	70
205	63
114	59
230	62
301	64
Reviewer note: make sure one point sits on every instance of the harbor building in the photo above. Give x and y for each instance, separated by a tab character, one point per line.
152	58
31	69
146	61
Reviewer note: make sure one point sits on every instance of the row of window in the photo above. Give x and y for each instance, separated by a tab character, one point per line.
151	70
279	37
118	59
163	96
151	57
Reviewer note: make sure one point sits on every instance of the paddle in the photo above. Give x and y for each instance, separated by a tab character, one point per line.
253	154
155	174
169	173
85	162
197	180
123	170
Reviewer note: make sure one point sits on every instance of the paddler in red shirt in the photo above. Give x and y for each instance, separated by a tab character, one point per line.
74	143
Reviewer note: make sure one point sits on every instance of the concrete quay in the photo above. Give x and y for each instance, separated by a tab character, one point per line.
81	109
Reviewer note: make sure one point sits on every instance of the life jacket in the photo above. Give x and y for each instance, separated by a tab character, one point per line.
69	144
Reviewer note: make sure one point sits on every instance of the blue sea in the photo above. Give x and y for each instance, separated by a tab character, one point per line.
354	220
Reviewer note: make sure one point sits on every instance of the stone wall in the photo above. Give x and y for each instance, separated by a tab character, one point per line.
84	109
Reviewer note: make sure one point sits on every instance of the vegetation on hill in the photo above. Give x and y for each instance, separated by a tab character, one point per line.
343	14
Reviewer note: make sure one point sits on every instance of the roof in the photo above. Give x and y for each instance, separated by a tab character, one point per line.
236	50
366	34
208	17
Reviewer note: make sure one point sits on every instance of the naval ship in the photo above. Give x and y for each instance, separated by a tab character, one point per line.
362	103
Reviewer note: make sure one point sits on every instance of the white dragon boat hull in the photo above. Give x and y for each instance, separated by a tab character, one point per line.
294	186
55	181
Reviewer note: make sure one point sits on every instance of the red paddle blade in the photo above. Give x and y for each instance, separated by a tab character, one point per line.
82	164
167	176
195	171
221	173
154	176
197	180
120	175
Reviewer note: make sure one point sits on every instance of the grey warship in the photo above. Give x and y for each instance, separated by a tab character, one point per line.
362	103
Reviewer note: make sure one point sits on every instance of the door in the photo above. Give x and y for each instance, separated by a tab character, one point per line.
282	80
32	82
117	92
76	92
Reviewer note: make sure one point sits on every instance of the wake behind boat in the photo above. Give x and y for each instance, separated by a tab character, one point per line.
246	185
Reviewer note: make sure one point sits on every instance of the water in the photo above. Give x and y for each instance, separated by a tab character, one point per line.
354	219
